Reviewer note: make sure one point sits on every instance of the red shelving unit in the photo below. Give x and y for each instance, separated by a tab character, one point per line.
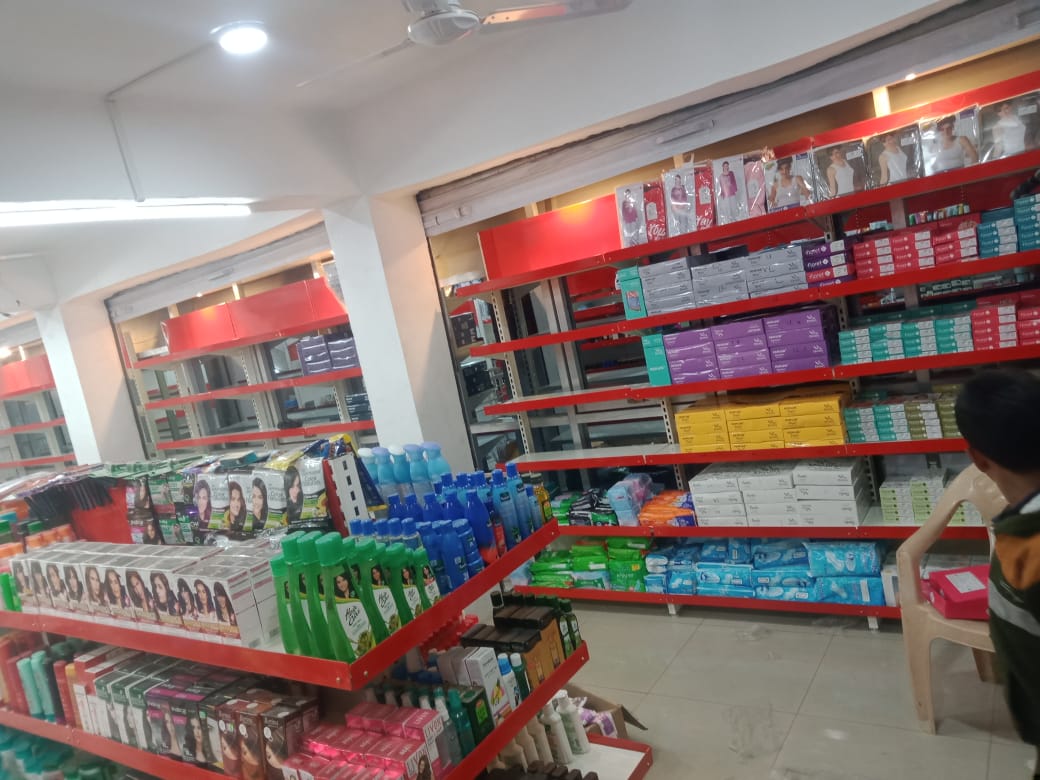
262	387
766	302
329	674
771	532
492	745
141	760
277	433
30	427
589	594
50	460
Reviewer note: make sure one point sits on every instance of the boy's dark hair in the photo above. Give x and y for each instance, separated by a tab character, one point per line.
998	413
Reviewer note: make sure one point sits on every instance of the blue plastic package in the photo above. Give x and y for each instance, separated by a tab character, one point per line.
736	574
730	591
656	583
739	551
844	559
786	594
682	583
786	577
779	552
851	590
715	551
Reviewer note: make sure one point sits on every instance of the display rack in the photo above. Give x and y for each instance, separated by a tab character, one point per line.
318	671
29	382
614	759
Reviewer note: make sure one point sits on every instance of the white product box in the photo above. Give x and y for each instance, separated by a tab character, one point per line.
788	509
721	512
828	472
769	521
716	478
780	496
834	512
830	492
721	522
483	671
729	498
766	476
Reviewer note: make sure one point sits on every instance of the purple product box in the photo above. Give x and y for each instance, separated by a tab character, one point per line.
692	365
687	351
828	261
850	277
736	372
800	364
741	345
701	376
806	318
811	349
687	338
812	252
798	336
754	357
736	330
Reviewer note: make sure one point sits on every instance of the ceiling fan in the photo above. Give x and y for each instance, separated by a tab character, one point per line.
441	22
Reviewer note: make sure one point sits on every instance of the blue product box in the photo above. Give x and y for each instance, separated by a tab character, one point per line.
739	551
727	591
996	215
656	583
682	583
778	553
733	574
714	550
785	594
844	559
851	590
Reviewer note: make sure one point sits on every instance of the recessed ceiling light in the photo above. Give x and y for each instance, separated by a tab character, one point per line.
241	37
910	77
5	352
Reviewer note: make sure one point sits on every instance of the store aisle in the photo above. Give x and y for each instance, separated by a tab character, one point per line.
772	697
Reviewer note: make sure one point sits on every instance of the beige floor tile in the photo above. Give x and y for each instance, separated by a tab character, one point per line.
864	678
812	624
630	652
829	749
698	739
1003	726
749	665
1011	762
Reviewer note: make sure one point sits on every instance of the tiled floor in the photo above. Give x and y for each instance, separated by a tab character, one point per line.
765	697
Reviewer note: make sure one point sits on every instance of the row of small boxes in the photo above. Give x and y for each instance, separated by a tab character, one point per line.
747	423
1027	222
947	241
1006	320
910	499
828	262
807	493
998	234
949	330
912	418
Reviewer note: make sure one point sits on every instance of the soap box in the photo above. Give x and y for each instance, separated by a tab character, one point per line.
961	593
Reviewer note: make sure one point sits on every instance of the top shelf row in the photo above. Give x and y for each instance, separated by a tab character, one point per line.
893	192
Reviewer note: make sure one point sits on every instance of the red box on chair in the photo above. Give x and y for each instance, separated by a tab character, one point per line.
961	594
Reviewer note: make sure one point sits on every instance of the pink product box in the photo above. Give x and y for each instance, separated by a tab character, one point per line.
798	336
800	319
303	767
688	338
692	365
829	274
762	369
736	330
749	358
407	756
741	344
800	364
829	261
697	376
370	716
811	349
688	351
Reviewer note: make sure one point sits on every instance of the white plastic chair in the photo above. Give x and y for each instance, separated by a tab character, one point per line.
922	623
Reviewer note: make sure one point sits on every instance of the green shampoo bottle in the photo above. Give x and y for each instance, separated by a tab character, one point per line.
330	556
425	578
355	554
315	613
294	572
402	582
283	598
374	579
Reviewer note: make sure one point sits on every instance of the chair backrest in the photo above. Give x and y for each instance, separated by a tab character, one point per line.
970	485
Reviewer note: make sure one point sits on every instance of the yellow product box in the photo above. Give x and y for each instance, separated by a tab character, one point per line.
761	445
684	426
816	443
832	420
703	411
756	424
805	406
746	409
752	437
700	447
717	439
830	433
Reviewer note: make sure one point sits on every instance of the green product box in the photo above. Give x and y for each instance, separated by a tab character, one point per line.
632	299
627	274
660	376
653	341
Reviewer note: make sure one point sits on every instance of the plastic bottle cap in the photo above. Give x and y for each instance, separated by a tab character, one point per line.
429	498
35	527
471	495
394	526
453	698
381	452
393	500
278	567
498	478
411	500
446	480
291	546
330	549
356	526
396	449
431	446
408	527
512	471
414	451
309	548
530	490
503	664
516	661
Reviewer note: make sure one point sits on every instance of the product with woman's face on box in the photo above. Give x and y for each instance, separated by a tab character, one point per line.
213	487
238	519
274	489
23	582
312	479
730	191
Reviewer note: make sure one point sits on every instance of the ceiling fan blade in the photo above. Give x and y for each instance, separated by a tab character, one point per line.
550	12
405	44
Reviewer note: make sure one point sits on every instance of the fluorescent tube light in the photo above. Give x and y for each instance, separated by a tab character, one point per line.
72	212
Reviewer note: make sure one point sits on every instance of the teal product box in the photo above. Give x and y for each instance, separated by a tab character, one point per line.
656	360
632	296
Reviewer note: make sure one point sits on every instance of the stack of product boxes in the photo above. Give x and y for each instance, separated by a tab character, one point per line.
702	427
319	354
947	241
913	418
995	326
721	281
1027	222
997	233
667	286
828	262
806	494
774	271
944	330
802	340
741	349
627	281
813	418
689	356
1029	326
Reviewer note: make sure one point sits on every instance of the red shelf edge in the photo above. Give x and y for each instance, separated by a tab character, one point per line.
647	761
28	391
766	605
763	303
319	671
771	532
262	387
492	745
282	433
30	462
134	758
37	426
908	189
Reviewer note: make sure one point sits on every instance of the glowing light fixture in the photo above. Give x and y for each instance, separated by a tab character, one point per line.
241	37
910	77
72	212
5	352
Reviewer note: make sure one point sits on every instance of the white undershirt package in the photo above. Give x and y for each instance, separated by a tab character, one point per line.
841	169
788	180
631	216
895	156
730	190
950	142
680	199
1009	127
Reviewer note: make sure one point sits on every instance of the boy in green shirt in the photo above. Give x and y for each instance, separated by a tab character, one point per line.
998	413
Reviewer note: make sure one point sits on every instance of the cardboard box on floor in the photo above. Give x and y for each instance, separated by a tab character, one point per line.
620	714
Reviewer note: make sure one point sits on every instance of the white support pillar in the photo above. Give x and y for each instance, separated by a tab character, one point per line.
386	274
88	374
